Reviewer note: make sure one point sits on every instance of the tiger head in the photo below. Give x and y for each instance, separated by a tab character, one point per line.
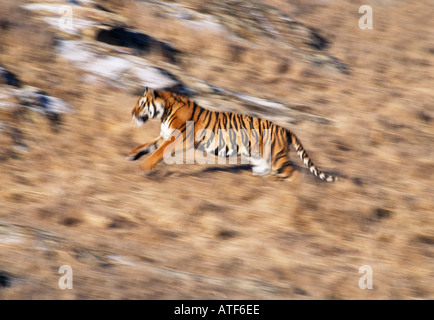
149	106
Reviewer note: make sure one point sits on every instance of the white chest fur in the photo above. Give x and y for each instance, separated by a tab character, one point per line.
165	131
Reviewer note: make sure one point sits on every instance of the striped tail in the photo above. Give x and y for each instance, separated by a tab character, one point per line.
306	160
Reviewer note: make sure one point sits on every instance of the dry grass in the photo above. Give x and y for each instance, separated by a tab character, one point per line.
28	51
216	232
24	40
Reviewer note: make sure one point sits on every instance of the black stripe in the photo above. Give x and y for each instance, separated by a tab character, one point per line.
207	117
196	117
213	127
220	120
171	118
225	120
231	119
183	128
283	166
242	123
250	122
237	122
280	154
244	137
232	137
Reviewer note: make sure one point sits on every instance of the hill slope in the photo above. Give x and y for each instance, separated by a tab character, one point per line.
361	101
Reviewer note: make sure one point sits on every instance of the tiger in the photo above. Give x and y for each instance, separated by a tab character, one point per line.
176	110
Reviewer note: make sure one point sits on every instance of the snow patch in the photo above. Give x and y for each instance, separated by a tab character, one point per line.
122	71
34	99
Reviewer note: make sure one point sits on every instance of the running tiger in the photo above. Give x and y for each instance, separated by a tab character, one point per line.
248	136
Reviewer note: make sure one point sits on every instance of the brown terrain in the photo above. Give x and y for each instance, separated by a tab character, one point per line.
360	100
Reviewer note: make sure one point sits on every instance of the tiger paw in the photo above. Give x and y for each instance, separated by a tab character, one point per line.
134	155
130	157
147	165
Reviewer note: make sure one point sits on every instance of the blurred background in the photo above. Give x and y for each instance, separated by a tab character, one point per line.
360	100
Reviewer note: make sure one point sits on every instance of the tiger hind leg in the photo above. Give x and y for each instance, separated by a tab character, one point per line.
283	169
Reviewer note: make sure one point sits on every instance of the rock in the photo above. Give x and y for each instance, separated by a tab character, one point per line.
5	279
256	22
141	43
317	41
75	19
119	69
35	99
7	77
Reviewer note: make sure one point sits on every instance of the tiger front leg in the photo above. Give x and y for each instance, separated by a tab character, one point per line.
149	163
143	149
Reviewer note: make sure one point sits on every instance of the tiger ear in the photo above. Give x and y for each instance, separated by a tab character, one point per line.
150	91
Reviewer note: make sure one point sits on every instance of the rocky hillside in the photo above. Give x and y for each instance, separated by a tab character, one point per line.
360	100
